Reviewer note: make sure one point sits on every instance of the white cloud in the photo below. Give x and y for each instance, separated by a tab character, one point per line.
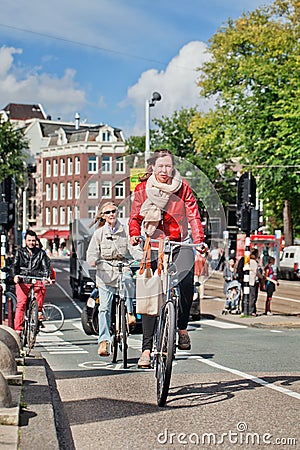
177	86
60	95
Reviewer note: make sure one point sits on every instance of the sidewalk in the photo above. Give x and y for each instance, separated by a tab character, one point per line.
212	308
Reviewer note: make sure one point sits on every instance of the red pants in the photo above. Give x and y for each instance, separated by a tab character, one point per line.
21	293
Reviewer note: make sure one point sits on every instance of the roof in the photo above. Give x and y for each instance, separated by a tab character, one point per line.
17	111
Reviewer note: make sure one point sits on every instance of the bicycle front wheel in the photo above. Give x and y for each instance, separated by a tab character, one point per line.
165	353
53	318
32	327
114	332
123	334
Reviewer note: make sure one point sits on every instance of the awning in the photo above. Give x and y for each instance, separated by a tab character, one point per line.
51	234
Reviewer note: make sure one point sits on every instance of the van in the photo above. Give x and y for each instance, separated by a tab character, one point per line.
290	263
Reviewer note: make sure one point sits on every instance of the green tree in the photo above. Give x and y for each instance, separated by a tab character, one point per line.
12	151
254	76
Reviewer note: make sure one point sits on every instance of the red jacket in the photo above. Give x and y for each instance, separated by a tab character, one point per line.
181	210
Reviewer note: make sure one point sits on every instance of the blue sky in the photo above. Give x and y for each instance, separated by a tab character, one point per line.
104	58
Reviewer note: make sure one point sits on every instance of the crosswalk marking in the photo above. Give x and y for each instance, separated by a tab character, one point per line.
219	324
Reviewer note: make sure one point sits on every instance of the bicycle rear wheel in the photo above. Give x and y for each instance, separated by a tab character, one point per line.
32	326
165	353
123	333
114	332
53	318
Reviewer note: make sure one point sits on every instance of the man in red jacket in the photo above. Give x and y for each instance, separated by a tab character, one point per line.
164	203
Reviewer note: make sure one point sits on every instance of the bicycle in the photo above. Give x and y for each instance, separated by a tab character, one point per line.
165	335
119	328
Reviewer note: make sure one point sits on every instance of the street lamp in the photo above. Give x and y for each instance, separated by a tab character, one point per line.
156	97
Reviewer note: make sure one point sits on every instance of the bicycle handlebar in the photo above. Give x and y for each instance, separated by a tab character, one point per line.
118	264
179	243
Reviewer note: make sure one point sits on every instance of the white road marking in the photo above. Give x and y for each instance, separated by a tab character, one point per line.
70	298
55	345
219	324
247	376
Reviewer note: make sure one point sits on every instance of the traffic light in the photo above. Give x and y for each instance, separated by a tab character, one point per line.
245	220
8	209
246	190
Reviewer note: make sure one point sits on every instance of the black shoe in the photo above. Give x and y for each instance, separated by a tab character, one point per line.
184	342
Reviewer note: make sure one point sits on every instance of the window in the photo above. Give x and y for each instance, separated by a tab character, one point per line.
120	165
76	212
77	189
92	164
55	191
120	189
69	190
55	168
70	166
62	214
48	168
48	192
69	214
106	190
48	216
77	165
92	189
106	164
62	167
106	136
92	210
54	216
62	191
121	213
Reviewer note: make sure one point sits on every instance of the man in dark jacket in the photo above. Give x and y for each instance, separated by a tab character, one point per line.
32	261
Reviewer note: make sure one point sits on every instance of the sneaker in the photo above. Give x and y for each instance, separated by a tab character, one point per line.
103	349
131	319
269	313
184	342
144	362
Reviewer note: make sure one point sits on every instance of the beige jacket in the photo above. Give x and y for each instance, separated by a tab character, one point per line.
110	246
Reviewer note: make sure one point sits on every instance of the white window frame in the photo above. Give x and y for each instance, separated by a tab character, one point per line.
48	168
62	167
106	189
55	168
48	192
120	189
120	165
92	189
92	164
77	190
69	214
121	212
62	215
62	191
69	190
55	191
54	216
48	216
70	166
92	211
77	165
106	166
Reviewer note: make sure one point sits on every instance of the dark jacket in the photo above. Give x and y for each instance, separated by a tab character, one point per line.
35	265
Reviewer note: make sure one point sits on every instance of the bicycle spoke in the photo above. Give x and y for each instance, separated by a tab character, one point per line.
53	318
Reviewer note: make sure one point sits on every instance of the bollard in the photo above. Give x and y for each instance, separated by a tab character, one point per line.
8	365
5	394
10	338
10	313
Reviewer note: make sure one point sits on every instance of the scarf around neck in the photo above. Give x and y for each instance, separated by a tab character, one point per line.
158	195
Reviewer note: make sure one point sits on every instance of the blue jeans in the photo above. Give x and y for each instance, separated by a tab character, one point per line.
106	296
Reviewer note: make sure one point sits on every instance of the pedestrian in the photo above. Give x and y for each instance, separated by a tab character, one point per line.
165	205
271	283
109	242
56	243
32	261
253	282
215	258
229	273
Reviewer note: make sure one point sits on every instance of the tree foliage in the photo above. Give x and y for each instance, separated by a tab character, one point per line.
254	73
12	151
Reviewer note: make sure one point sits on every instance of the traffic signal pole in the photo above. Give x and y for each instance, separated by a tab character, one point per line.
246	288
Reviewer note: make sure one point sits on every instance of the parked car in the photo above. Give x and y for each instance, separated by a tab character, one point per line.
290	263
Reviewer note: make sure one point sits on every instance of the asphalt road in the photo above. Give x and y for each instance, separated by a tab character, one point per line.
238	386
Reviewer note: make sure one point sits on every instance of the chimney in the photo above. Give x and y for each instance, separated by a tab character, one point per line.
77	121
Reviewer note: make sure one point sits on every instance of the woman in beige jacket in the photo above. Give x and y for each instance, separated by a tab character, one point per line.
109	242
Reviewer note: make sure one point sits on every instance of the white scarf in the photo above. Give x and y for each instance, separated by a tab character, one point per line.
158	195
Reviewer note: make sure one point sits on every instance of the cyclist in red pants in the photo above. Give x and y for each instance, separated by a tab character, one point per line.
32	261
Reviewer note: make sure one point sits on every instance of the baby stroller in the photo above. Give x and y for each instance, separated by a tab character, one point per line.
233	294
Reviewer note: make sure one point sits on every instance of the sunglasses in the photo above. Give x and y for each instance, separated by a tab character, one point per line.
113	211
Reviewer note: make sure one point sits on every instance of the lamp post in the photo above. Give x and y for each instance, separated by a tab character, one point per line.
156	97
